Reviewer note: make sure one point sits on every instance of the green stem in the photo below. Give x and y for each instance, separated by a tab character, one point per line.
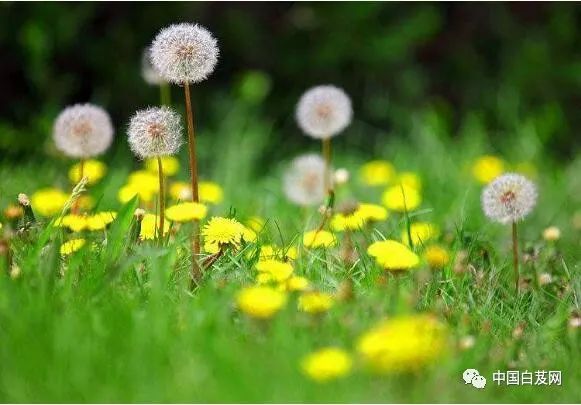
161	199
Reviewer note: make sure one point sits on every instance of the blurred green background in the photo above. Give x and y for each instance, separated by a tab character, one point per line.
495	68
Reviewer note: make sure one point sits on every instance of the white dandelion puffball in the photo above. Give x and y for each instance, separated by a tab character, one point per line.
304	181
155	131
509	198
148	72
82	131
324	111
184	53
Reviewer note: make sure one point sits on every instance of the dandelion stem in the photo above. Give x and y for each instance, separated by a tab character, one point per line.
76	205
515	254
161	199
194	176
327	157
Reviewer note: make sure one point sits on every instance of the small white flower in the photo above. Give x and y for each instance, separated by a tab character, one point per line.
341	176
155	131
148	72
509	198
304	181
184	53
83	131
324	111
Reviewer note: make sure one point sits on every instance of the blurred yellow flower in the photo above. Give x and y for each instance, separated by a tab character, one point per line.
551	234
296	283
180	191
71	246
127	192
186	212
377	172
316	239
278	271
315	302
437	256
75	223
93	170
210	192
327	364
355	220
13	212
401	198
150	227
100	220
410	179
487	168
260	301
48	201
392	255
403	344
170	165
421	232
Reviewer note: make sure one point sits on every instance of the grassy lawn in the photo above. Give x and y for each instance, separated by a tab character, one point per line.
115	320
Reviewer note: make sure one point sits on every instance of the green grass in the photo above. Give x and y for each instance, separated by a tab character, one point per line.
118	324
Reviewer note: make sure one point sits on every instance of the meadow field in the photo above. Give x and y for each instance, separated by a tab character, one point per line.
380	278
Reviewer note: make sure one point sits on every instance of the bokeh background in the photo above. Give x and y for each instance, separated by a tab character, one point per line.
496	69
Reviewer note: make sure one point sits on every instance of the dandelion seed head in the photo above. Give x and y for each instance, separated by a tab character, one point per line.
304	181
148	72
83	130
509	198
155	131
324	111
184	53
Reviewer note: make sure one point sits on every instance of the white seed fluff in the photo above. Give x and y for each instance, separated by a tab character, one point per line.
82	131
155	131
324	111
184	53
148	72
509	198
304	180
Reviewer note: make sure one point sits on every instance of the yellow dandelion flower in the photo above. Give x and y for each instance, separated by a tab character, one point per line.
295	283
180	191
401	197
377	172
142	179
316	239
100	220
223	231
279	271
403	344
256	223
260	301
437	256
71	246
75	223
150	227
327	364
210	192
421	232
186	212
392	255
248	234
170	165
211	248
551	234
48	201
364	213
487	168
315	302
410	179
127	192
93	170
